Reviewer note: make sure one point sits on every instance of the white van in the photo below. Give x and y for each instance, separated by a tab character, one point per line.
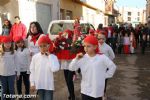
57	26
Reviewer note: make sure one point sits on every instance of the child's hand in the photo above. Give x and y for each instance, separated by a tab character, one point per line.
31	54
33	88
79	55
47	53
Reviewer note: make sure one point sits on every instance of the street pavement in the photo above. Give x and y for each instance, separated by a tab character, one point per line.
130	82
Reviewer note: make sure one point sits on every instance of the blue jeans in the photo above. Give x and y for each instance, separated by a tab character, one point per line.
45	94
7	85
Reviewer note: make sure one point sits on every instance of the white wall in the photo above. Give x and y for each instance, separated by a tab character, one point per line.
92	16
28	13
124	13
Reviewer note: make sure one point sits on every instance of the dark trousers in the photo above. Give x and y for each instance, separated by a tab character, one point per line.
25	77
7	85
45	94
120	47
85	97
105	86
143	47
69	81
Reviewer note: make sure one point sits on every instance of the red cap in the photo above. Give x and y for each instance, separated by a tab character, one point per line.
44	39
92	40
17	39
92	32
6	39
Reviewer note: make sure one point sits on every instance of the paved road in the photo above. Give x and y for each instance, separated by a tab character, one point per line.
131	80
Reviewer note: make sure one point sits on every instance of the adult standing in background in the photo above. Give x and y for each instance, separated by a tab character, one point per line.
18	29
6	27
34	33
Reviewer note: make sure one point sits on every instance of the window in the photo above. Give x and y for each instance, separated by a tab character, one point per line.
129	13
68	14
138	19
129	18
138	13
62	14
60	27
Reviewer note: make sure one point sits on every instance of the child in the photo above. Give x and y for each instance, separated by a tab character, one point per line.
42	66
107	51
132	42
8	68
126	44
105	48
23	62
93	68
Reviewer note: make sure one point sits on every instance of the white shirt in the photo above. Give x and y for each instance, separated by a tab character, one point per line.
64	64
109	33
94	73
42	68
33	47
107	50
7	64
23	59
126	41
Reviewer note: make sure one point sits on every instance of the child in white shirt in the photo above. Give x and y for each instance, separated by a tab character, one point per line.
93	69
23	63
42	66
8	68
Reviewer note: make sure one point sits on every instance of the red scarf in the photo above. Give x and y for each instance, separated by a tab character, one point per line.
35	38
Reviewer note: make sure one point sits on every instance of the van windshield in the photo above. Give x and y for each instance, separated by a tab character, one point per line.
60	27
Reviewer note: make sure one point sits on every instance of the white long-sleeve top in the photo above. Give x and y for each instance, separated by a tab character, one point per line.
126	41
107	50
42	68
7	64
94	73
23	59
33	47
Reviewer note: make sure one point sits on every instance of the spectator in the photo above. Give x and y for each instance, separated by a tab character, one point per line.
126	44
6	27
34	33
18	29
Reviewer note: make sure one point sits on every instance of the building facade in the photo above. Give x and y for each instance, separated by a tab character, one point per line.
147	8
132	15
42	11
110	12
87	10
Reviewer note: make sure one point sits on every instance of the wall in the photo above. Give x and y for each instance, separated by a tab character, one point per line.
12	9
55	7
72	6
124	14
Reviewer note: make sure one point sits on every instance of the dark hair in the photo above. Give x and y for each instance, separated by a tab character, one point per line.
16	48
17	17
11	49
38	26
100	26
9	24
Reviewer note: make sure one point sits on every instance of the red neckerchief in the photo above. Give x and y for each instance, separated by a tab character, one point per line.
34	38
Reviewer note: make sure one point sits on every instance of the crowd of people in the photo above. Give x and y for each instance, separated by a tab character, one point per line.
32	57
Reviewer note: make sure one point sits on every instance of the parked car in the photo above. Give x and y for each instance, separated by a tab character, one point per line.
57	26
